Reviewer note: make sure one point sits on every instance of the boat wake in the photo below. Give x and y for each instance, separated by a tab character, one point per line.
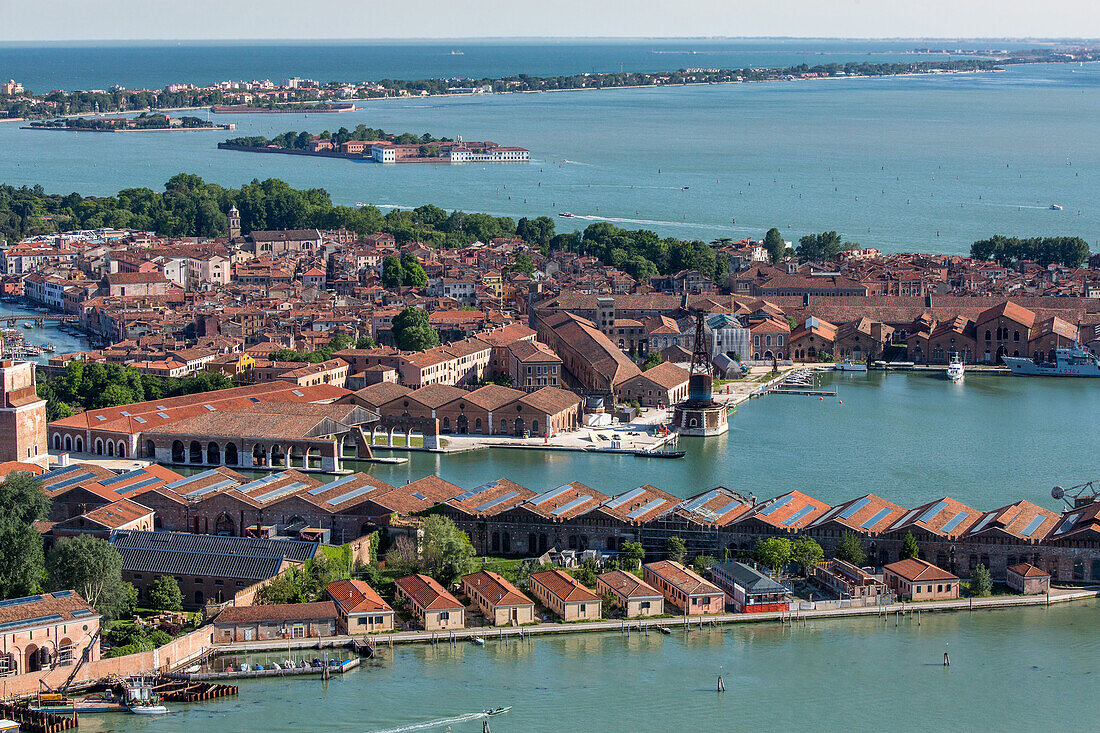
1007	206
438	723
577	162
657	222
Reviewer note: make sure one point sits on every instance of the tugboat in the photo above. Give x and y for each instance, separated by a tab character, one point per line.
1075	362
955	368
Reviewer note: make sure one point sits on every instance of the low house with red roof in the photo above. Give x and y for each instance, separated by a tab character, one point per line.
808	341
278	621
497	599
684	588
565	595
1027	579
434	608
46	631
359	608
1003	330
917	580
637	598
102	521
663	385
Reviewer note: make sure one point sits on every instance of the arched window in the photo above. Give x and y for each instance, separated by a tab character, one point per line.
195	452
988	335
213	453
231	454
1016	336
121	449
57	441
446	423
223	525
150	449
534	427
79	444
177	451
98	446
477	425
110	448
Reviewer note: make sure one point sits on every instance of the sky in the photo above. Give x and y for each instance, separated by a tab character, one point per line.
92	20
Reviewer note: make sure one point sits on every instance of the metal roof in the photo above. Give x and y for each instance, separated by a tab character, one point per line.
168	542
955	522
497	501
617	501
879	516
780	502
569	506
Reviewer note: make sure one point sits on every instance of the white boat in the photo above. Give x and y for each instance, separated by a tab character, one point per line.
1054	207
850	366
955	368
148	709
567	215
1068	362
478	640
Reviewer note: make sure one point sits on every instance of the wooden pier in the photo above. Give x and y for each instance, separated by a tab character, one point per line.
37	721
177	688
345	666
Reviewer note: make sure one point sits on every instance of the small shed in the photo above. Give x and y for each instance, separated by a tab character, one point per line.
1027	579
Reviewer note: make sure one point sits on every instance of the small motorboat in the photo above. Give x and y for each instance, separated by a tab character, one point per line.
148	709
359	204
478	640
664	629
1054	207
659	454
850	366
567	215
498	711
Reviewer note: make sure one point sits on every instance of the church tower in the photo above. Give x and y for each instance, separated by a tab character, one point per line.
22	415
234	223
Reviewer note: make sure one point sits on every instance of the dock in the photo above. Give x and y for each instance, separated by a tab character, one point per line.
37	721
345	666
179	688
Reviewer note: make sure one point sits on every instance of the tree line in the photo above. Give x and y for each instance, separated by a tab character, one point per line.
1068	251
91	386
294	140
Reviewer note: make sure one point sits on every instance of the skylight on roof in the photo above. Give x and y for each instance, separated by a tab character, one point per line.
209	407
139	418
296	392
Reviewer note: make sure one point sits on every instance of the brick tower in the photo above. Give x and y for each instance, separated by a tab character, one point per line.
22	415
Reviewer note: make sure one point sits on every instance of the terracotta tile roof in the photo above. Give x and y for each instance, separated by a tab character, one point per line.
666	375
685	580
491	498
495	589
355	596
1009	310
13	466
317	611
565	502
117	514
1028	570
64	603
491	396
379	394
718	507
418	495
628	585
867	514
639	505
551	400
913	570
428	593
564	586
945	517
1021	520
345	493
434	396
790	512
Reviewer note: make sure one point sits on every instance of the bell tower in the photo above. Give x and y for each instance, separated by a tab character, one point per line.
234	223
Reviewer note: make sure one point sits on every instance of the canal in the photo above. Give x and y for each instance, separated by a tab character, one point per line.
1010	670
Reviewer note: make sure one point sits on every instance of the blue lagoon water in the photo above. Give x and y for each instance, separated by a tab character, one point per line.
902	164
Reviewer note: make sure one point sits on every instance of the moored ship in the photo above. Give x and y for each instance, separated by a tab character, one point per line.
1068	362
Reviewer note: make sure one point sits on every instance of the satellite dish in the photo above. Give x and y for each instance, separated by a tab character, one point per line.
1057	492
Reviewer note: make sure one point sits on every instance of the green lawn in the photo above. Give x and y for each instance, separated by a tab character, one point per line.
417	441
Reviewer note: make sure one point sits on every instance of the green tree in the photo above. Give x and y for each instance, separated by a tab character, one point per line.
909	547
652	359
587	572
412	330
675	549
806	552
850	549
365	342
773	242
774	553
412	272
632	554
447	551
393	275
981	582
822	247
702	563
165	594
22	503
93	568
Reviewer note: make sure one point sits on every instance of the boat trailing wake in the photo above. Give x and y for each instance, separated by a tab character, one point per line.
438	723
656	222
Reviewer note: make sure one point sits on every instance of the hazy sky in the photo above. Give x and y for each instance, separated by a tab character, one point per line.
31	20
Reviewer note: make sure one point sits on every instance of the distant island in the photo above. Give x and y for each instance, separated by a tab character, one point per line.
370	144
290	107
143	122
307	95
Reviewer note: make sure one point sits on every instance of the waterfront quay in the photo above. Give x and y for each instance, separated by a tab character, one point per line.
891	614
